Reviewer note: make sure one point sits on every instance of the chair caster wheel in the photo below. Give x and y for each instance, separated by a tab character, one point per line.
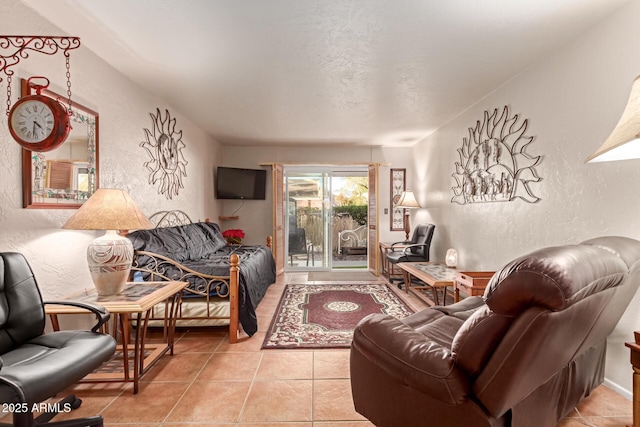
76	403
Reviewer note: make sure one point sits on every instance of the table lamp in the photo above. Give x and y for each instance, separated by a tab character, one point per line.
109	256
408	201
451	258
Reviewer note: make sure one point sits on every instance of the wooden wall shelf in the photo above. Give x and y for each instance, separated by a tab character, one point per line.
227	218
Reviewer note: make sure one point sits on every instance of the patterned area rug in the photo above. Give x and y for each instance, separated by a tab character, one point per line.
324	316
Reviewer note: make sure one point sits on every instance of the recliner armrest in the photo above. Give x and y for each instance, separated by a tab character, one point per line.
462	309
411	358
102	314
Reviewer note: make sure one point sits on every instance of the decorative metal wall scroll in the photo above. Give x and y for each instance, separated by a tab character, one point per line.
164	146
398	183
15	48
494	166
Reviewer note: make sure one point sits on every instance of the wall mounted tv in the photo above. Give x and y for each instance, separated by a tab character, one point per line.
237	183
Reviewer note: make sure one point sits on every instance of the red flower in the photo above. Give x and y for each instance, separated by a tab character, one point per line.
233	236
236	233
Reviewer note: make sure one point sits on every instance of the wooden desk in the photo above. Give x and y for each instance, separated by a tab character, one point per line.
386	269
135	303
635	362
433	274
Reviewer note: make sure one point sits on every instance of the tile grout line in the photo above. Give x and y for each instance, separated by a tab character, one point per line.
246	398
583	420
313	386
192	381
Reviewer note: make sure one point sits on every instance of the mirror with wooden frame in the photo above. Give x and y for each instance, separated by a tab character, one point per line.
63	178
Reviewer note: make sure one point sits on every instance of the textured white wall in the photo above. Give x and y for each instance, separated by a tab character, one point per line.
572	100
58	256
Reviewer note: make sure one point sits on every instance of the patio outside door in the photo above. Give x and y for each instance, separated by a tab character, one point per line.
349	215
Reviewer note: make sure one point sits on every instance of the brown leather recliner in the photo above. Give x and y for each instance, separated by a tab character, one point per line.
524	354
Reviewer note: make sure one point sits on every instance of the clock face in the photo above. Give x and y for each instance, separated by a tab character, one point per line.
32	121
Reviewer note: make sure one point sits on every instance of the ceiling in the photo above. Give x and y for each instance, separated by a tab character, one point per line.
361	72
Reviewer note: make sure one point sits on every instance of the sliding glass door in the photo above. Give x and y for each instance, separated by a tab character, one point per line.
308	213
326	211
349	226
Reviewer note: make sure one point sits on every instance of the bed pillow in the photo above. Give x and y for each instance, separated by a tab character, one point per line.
169	242
213	240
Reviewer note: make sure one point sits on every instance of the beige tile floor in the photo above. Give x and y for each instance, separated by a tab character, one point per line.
209	382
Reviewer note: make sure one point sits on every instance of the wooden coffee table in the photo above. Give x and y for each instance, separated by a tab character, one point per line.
434	275
134	303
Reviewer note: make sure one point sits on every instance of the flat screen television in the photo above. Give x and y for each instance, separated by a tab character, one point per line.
237	183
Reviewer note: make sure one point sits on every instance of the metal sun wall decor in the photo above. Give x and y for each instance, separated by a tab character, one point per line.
494	166
164	146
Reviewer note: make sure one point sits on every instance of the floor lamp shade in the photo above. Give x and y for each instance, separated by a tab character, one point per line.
110	255
624	144
624	141
407	200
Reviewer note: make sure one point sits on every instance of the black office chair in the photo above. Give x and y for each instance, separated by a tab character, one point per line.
33	366
414	250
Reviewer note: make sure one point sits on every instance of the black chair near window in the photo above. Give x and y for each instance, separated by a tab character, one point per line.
298	245
414	250
35	366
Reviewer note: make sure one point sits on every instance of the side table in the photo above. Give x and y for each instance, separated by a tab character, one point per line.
135	303
473	283
387	269
635	362
433	275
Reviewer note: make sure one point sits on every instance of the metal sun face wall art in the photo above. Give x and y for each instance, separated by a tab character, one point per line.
164	145
494	166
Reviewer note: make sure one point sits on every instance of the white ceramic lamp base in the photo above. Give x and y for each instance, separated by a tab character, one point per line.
451	259
109	259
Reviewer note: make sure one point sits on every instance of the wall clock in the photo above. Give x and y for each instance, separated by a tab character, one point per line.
38	122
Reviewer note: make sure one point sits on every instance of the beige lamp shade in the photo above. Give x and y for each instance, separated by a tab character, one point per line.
624	141
109	256
108	209
408	200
